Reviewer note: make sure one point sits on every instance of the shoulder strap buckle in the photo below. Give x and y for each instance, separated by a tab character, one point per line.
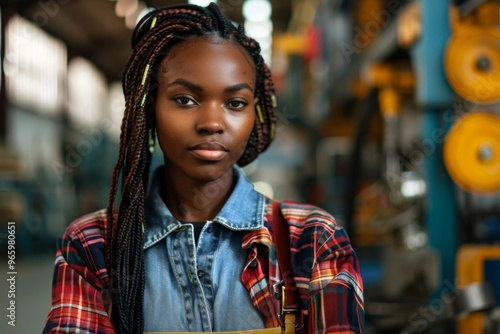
289	321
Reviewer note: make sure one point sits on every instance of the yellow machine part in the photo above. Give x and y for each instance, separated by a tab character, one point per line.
472	62
390	101
470	269
290	43
472	152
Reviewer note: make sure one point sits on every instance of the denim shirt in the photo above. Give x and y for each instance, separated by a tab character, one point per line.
198	287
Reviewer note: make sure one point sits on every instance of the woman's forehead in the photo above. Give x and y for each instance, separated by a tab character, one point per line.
181	51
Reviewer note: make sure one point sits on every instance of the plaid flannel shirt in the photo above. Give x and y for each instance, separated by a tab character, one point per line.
324	266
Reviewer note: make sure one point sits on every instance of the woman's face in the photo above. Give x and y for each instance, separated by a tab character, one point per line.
204	107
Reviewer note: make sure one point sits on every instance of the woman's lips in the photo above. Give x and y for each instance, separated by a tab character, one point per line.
209	154
209	151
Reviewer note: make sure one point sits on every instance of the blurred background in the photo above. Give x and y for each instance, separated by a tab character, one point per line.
389	119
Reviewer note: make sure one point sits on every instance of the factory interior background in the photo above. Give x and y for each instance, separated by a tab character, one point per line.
388	118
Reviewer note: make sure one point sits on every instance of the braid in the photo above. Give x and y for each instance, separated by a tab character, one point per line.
155	35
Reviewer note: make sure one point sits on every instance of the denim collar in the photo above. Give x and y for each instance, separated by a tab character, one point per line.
243	211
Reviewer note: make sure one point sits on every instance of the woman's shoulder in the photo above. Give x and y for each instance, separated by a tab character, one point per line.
320	247
89	227
82	247
313	226
303	215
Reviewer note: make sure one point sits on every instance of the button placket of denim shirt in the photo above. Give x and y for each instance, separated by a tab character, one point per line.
207	246
183	247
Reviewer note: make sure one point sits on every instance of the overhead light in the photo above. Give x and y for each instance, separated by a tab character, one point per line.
122	7
259	29
131	18
262	32
202	3
257	10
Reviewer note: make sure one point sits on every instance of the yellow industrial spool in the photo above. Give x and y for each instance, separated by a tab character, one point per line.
472	62
472	152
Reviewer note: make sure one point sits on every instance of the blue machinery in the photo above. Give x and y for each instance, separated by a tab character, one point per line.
435	96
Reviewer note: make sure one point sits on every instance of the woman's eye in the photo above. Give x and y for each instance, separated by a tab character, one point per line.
237	104
184	100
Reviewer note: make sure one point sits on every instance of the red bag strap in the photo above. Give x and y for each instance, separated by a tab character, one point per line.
281	236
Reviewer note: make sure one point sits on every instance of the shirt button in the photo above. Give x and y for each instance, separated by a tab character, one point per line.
253	264
201	273
210	229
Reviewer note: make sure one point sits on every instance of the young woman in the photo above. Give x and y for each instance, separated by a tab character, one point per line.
189	248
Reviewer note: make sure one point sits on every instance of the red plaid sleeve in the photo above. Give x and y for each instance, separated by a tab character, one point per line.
326	271
79	278
336	297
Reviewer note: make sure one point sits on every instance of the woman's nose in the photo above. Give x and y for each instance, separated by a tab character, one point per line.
211	119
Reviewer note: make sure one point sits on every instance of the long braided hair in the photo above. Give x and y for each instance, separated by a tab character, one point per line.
153	37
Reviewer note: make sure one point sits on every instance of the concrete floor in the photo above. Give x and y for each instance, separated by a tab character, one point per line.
33	289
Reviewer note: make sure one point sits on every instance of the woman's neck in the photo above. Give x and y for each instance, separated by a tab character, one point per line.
192	200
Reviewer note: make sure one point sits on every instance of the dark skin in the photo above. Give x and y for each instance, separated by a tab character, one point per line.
205	112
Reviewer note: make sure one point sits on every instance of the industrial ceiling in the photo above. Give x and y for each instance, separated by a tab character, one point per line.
91	29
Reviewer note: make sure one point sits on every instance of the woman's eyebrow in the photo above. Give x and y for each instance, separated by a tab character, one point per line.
186	84
198	88
237	87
